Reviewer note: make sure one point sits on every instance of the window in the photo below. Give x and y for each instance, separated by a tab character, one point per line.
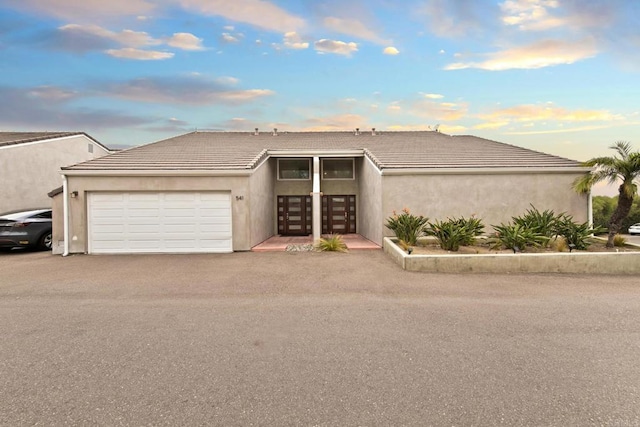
337	168
294	169
91	148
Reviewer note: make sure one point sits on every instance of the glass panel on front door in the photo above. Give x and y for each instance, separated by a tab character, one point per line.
339	214
294	215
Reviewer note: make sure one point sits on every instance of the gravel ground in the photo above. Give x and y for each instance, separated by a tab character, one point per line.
310	338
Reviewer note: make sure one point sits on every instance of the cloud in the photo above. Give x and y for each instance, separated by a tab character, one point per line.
456	18
84	11
540	54
259	13
390	50
335	46
139	54
185	41
228	38
440	111
292	40
127	38
187	89
335	122
531	14
354	28
52	93
25	108
433	96
535	113
171	125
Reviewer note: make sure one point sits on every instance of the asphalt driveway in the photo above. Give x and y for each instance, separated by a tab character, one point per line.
310	339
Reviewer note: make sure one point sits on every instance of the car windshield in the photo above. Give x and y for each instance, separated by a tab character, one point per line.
18	215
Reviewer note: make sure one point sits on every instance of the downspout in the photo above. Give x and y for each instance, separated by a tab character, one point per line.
65	214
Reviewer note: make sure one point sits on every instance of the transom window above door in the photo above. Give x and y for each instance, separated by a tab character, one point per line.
293	169
337	169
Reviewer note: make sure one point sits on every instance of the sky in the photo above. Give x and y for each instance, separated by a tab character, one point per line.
558	76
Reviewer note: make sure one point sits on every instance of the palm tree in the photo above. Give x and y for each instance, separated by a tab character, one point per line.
625	167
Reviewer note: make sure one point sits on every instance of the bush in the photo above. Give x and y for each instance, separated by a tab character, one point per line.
543	223
332	243
575	234
517	237
619	240
456	232
406	226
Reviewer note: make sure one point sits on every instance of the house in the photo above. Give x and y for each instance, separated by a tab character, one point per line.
229	191
30	164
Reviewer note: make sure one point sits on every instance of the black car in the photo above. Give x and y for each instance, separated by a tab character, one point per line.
30	229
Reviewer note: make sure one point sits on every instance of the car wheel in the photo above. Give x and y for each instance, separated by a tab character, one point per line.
45	241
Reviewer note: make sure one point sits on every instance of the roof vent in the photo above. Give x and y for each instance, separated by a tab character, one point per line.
275	131
256	132
357	131
373	131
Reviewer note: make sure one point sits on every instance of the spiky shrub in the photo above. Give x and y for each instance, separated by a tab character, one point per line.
331	243
472	226
406	226
455	232
517	237
543	223
619	241
577	235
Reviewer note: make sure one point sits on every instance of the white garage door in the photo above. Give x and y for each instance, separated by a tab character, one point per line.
179	222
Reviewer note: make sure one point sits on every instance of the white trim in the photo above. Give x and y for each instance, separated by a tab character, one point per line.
353	169
61	138
159	172
65	214
482	171
373	164
316	201
315	153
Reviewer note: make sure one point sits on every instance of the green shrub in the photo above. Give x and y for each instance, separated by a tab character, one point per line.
517	237
575	234
332	243
456	232
543	223
406	226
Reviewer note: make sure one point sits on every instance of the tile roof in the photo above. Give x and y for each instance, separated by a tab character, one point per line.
388	150
15	138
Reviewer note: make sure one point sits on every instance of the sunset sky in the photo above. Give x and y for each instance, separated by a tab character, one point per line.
559	76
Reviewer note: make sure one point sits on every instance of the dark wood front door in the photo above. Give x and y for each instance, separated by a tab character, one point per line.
294	215
338	214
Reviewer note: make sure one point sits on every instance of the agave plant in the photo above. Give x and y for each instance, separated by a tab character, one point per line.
331	243
406	226
544	223
456	232
517	237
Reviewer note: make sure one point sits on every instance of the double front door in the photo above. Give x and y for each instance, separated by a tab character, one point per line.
295	215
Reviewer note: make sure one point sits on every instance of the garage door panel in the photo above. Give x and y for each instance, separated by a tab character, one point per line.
185	222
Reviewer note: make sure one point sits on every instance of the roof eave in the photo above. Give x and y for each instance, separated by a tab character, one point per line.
156	172
485	171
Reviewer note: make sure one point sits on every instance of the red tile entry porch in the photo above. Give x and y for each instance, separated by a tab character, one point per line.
280	243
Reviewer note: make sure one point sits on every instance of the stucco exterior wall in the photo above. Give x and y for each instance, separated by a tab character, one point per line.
29	171
369	203
262	202
57	224
236	185
494	198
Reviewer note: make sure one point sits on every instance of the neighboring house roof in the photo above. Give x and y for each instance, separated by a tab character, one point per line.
16	138
387	150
